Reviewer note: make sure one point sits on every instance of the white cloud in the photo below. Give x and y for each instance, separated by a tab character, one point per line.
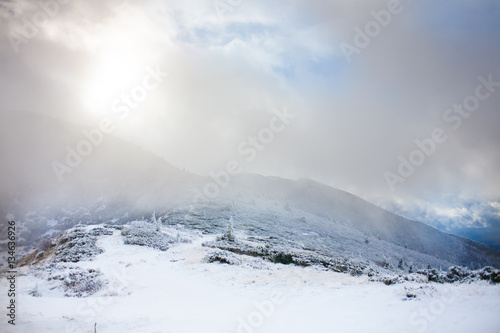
355	119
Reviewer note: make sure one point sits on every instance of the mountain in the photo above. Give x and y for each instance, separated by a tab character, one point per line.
119	182
348	224
30	143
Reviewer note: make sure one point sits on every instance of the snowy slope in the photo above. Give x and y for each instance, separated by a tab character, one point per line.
148	290
334	209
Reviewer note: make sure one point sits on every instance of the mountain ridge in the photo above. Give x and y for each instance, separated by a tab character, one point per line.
121	182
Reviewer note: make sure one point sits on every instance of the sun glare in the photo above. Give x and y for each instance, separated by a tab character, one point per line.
112	75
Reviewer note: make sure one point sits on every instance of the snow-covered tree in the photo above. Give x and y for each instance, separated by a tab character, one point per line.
229	234
156	221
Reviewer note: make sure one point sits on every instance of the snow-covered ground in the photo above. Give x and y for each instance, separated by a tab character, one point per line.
149	290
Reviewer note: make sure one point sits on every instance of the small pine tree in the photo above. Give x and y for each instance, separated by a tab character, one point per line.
156	222
401	263
229	234
34	292
387	263
410	270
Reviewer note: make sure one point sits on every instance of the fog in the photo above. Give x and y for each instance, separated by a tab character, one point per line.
215	77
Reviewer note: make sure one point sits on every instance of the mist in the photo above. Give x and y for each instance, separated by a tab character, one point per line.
243	166
224	72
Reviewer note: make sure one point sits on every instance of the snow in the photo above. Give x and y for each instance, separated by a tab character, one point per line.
149	290
301	215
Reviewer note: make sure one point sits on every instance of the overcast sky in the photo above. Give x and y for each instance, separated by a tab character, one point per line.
358	104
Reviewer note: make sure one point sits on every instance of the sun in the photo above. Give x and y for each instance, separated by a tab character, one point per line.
111	75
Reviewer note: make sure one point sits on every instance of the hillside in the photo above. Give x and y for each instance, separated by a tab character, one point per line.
120	182
100	277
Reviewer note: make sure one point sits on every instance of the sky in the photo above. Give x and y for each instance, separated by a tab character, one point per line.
358	82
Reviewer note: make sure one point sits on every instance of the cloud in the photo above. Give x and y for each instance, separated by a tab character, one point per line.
227	73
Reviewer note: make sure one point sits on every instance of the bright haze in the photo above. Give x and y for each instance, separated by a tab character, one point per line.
362	80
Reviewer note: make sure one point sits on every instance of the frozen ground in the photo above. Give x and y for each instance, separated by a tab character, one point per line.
149	290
